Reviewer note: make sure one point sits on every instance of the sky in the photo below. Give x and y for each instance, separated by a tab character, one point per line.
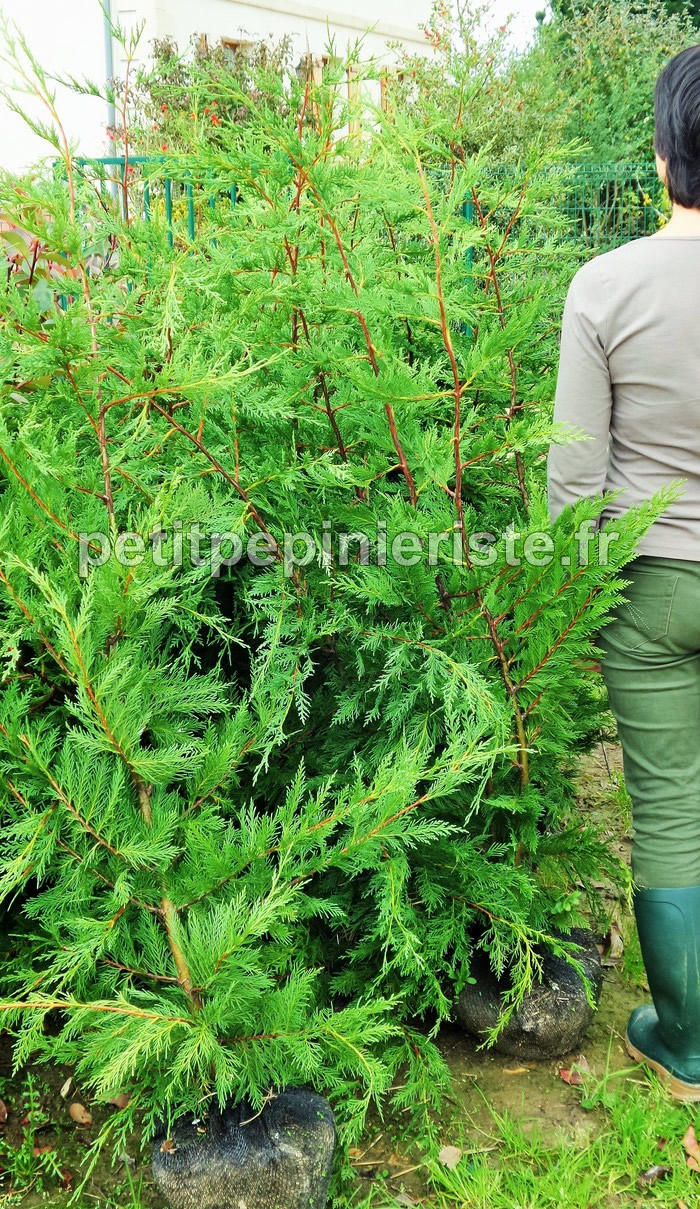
523	20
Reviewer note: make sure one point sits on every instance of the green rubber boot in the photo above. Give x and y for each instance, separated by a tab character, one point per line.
666	1036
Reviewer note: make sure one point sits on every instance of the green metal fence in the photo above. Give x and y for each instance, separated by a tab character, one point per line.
601	204
609	204
138	185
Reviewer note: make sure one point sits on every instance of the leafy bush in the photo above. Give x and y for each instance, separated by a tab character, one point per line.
607	57
259	815
588	76
180	98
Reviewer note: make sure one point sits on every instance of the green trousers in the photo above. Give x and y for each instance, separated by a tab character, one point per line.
650	656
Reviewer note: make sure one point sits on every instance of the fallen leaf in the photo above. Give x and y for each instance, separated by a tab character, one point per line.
354	1152
576	1073
616	947
690	1142
3	1112
692	1163
66	1178
657	1172
515	1070
404	1199
66	1087
661	1143
121	1100
449	1156
80	1114
41	1150
168	1146
681	1205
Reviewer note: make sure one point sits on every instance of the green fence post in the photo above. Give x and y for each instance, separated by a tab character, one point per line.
190	210
468	215
169	208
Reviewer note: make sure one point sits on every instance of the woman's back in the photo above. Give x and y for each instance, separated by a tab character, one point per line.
630	377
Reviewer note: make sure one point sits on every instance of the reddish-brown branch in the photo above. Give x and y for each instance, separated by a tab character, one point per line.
64	1005
558	641
371	352
135	902
413	494
65	801
169	916
146	974
323	386
494	257
30	491
240	491
529	620
459	505
25	611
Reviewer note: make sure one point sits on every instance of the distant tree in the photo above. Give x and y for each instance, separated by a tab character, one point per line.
689	7
182	95
592	69
572	8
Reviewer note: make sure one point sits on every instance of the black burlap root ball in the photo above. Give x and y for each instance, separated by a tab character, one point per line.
553	1016
279	1158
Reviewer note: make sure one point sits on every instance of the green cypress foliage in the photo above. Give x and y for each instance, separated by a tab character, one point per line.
256	817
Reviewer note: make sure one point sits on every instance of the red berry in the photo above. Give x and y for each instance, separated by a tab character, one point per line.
164	147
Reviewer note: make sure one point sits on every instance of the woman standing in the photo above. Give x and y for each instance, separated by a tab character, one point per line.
629	376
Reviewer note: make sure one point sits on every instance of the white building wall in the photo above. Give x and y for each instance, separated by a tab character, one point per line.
68	39
309	23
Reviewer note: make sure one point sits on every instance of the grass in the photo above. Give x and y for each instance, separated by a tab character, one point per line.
637	1157
32	1169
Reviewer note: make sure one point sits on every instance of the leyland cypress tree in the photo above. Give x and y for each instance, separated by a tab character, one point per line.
264	785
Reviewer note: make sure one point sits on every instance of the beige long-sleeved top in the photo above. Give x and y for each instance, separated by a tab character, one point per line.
629	376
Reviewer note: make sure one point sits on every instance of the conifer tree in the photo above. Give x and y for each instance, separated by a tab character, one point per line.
257	816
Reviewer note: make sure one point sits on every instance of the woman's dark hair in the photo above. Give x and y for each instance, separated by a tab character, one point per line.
677	139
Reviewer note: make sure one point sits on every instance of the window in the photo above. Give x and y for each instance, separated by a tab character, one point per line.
233	48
